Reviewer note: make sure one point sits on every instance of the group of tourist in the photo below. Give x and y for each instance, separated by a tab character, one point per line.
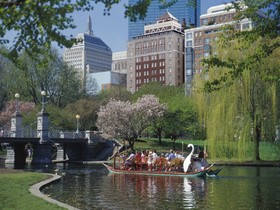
150	160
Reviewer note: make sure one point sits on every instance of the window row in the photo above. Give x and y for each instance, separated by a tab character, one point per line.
147	80
146	65
147	44
152	72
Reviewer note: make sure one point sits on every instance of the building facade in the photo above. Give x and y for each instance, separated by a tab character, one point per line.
119	68
183	10
89	55
199	42
158	55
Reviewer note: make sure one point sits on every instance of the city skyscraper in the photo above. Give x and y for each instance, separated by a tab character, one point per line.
183	10
89	55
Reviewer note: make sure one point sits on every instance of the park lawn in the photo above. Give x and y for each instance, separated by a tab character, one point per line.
269	151
14	191
152	143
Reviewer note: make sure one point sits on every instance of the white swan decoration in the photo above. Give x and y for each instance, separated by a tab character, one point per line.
187	160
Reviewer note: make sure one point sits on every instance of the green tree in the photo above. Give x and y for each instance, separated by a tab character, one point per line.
116	92
174	125
176	100
3	83
45	73
244	111
87	108
249	81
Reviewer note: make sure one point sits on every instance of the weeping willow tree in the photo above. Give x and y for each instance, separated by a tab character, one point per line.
238	95
243	110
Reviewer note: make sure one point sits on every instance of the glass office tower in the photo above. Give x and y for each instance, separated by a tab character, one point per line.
181	10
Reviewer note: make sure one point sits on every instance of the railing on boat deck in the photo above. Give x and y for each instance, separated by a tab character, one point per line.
160	164
119	161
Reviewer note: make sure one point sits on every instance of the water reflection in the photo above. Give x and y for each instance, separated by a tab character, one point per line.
151	191
91	187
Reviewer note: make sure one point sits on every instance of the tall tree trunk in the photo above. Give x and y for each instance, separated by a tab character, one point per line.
159	131
173	144
257	140
131	143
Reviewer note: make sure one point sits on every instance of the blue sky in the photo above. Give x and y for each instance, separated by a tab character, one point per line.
113	29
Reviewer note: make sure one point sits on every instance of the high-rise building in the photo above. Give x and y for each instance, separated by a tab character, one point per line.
89	55
97	82
199	41
119	68
183	10
158	55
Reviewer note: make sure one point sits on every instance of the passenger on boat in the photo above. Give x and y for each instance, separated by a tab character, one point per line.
150	160
202	155
137	160
155	159
169	159
144	160
178	155
160	163
130	161
199	163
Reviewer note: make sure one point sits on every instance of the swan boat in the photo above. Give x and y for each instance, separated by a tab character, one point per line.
184	173
214	173
114	170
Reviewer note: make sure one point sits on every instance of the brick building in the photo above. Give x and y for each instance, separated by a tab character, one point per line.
158	55
199	42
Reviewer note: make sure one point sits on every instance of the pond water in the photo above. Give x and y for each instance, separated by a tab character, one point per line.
92	187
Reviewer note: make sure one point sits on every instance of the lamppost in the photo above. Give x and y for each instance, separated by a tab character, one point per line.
43	94
16	120
77	120
17	108
43	122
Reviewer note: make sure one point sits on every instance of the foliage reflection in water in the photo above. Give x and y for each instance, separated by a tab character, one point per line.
91	187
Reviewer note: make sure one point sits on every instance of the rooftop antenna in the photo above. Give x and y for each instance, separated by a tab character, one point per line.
89	26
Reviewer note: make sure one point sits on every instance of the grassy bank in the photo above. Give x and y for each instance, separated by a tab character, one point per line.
14	191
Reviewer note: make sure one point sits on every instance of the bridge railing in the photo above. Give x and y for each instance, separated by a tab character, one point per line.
67	134
31	133
5	130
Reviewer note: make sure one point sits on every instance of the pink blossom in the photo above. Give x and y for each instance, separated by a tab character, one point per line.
10	109
125	120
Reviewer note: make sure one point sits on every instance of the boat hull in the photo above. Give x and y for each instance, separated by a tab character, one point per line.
156	173
211	173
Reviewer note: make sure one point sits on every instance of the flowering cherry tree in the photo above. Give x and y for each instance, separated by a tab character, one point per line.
10	108
126	120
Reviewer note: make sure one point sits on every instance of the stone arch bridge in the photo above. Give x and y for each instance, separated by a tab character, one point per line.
75	145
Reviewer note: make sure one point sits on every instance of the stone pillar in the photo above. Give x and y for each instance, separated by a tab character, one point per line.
16	131
43	127
60	153
42	151
89	136
16	125
10	157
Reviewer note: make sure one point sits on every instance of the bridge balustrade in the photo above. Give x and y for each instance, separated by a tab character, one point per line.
67	134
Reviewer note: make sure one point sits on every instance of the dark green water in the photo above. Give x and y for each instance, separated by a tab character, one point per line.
91	187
